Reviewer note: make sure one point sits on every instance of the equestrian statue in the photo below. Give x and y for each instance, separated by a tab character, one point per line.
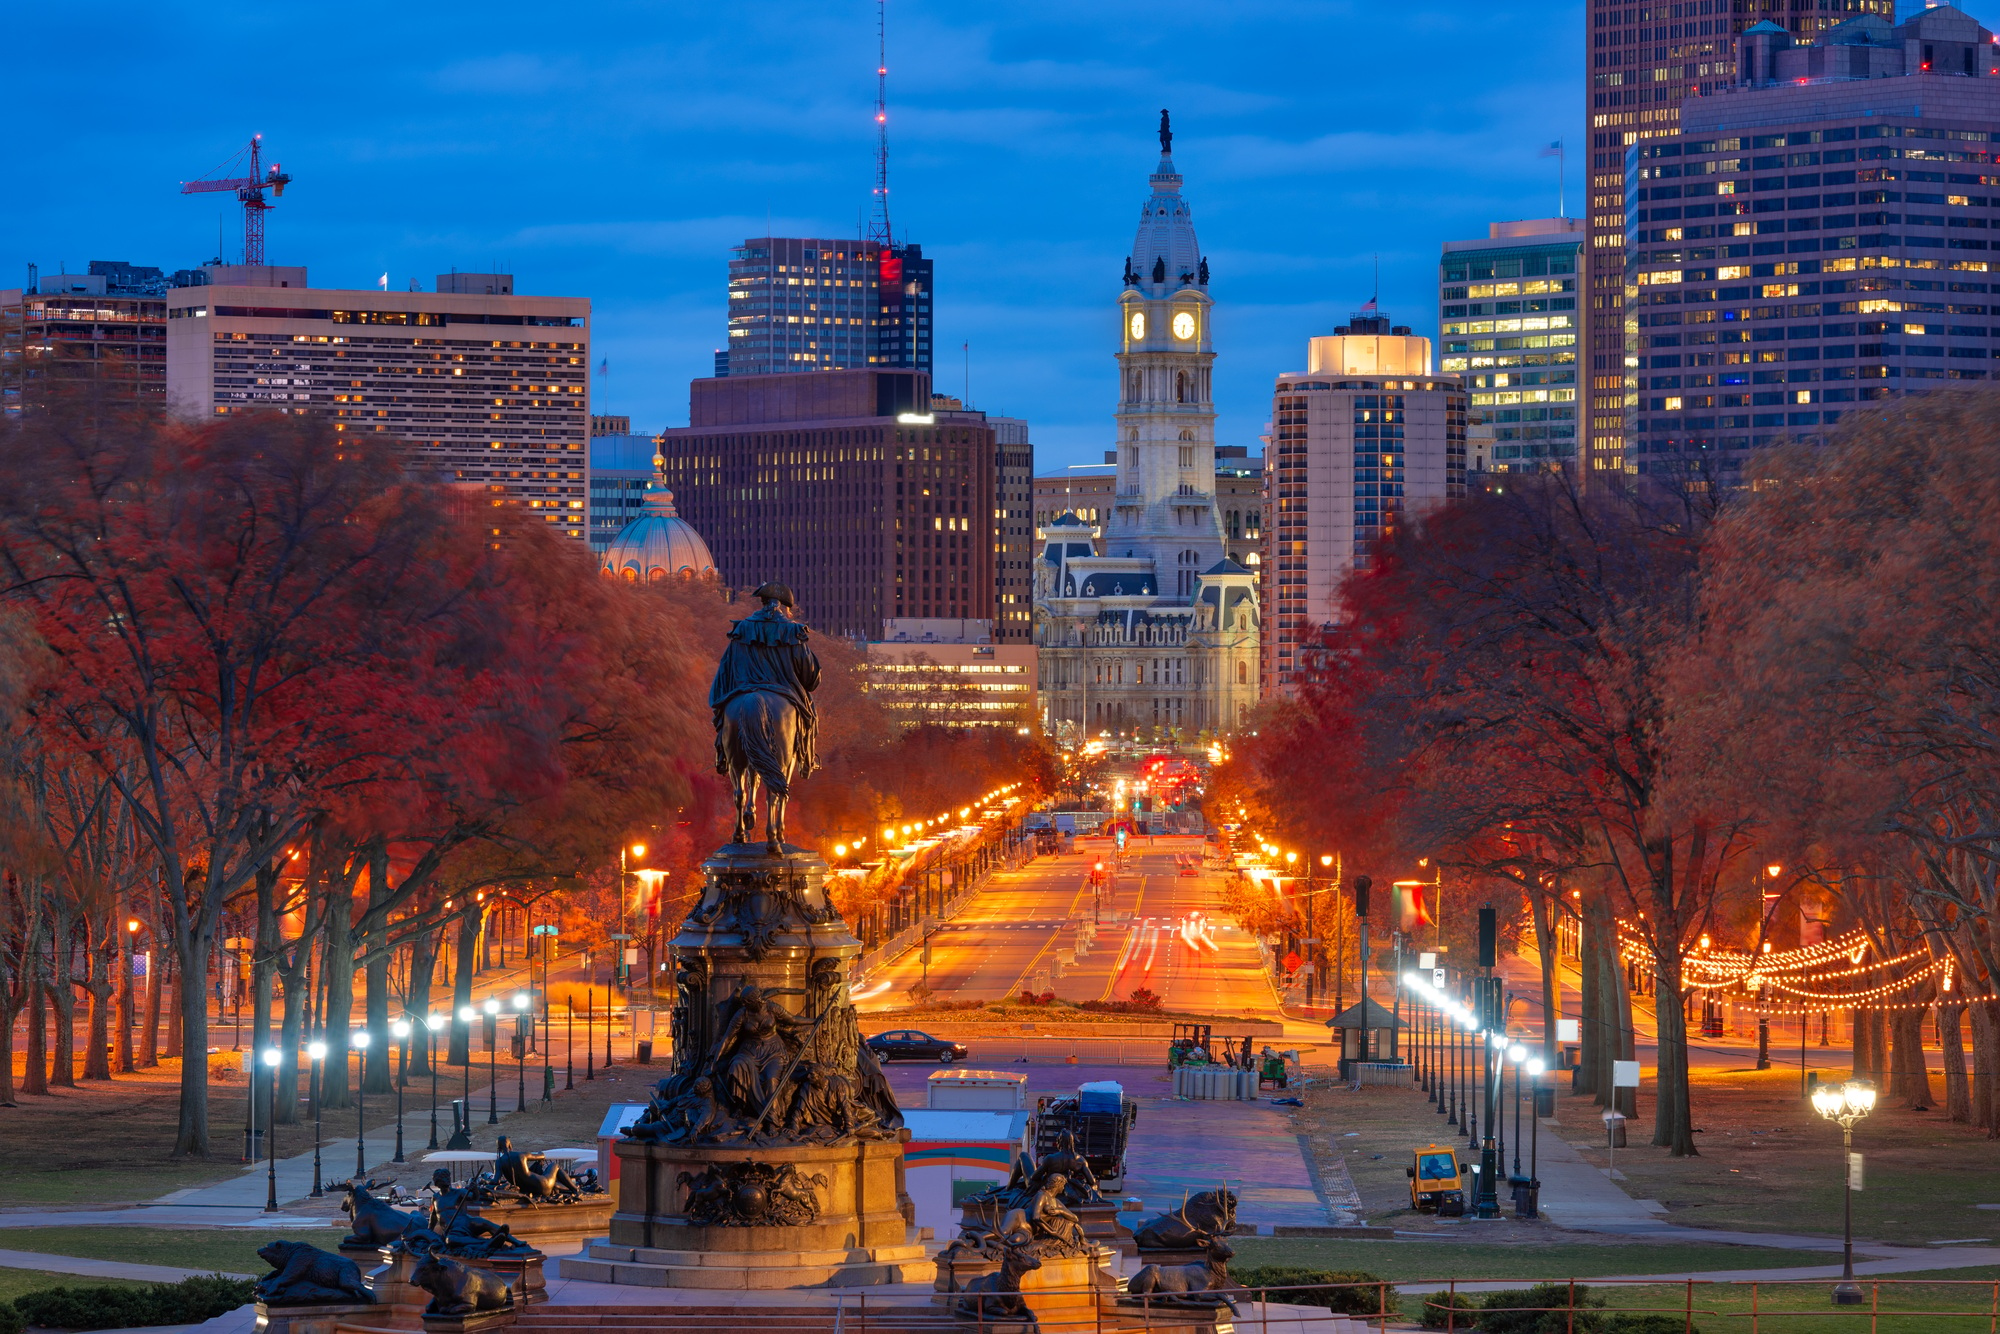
764	722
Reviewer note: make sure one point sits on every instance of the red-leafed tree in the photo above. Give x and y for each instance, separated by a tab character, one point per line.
250	622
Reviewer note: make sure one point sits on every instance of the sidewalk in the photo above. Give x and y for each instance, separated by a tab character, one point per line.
295	1174
70	1264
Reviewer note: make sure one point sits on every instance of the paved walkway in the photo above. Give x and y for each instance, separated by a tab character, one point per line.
70	1264
295	1174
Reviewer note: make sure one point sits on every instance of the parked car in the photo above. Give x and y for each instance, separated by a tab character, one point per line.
907	1044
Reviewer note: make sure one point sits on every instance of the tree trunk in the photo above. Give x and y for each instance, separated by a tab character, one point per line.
423	967
1594	1075
192	953
377	1064
35	1077
1912	1077
1547	910
62	1000
336	963
122	960
461	1032
1673	1113
100	936
1985	1052
173	988
1951	1042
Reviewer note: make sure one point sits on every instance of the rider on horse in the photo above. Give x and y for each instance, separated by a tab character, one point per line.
767	655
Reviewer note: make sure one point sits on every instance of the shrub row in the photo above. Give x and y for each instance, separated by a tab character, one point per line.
1309	1287
1525	1311
188	1302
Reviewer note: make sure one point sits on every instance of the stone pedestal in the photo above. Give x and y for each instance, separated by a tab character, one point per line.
479	1322
551	1225
1066	1293
524	1272
399	1303
313	1319
858	1237
1100	1222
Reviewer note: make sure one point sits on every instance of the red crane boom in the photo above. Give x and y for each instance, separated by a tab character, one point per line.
249	188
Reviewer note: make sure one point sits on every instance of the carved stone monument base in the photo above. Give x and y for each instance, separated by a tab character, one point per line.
1066	1293
1100	1221
324	1319
745	1270
478	1322
399	1303
857	1234
523	1272
546	1225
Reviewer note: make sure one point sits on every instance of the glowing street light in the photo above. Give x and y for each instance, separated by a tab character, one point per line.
1844	1104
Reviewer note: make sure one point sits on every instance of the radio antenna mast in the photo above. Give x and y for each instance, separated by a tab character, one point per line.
879	233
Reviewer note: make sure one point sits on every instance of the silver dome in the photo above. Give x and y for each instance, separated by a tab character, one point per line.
659	544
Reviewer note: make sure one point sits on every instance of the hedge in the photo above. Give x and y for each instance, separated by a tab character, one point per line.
188	1302
1306	1287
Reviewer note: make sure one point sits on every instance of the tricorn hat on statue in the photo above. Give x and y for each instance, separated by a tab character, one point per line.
775	593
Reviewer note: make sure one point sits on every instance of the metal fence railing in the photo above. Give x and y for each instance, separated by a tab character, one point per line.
1456	1306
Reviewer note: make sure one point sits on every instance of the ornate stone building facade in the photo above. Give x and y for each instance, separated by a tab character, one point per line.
1145	625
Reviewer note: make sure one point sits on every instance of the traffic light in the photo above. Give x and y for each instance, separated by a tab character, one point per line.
1361	887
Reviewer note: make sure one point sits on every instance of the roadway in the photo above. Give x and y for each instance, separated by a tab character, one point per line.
1156	928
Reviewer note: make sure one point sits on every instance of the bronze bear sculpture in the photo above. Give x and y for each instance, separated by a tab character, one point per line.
303	1275
456	1288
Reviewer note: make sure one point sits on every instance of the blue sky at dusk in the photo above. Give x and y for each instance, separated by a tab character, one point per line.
617	151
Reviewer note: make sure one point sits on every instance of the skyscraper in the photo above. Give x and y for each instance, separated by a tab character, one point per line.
845	487
813	304
1814	239
491	391
1362	439
1644	62
1509	323
1158	634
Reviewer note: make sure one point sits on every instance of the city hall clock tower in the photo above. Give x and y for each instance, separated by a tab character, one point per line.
1165	502
1146	629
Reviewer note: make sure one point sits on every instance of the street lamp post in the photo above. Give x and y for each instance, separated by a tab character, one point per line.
315	1053
492	1063
1533	1197
461	1121
432	1023
1517	1055
359	1041
271	1134
401	1029
1771	873
1843	1105
569	1045
521	1002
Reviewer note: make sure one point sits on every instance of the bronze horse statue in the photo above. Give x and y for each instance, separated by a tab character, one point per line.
759	739
764	722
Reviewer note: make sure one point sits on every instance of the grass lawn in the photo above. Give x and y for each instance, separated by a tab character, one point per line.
102	1142
1805	1308
112	1142
19	1282
1413	1261
1768	1163
206	1250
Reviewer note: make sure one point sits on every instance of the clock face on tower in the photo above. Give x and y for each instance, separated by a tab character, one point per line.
1184	326
1138	323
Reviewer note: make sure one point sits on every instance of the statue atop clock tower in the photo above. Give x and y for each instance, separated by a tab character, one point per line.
1146	628
1165	503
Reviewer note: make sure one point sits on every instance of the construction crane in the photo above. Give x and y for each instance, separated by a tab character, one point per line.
249	189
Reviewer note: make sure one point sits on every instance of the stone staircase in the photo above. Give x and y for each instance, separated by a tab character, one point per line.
849	1316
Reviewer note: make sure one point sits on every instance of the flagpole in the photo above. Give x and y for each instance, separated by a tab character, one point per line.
1562	180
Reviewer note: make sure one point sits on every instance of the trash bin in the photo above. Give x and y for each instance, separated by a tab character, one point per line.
1527	1198
645	1051
1545	1100
1614	1128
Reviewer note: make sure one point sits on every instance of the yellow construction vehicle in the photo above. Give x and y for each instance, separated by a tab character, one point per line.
1435	1186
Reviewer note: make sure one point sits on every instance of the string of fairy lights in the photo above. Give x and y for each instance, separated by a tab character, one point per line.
1805	975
